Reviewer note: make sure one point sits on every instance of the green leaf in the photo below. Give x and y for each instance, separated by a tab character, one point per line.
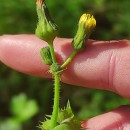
17	104
65	114
66	120
62	127
10	124
46	125
22	108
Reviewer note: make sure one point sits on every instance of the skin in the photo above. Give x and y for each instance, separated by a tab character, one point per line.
102	65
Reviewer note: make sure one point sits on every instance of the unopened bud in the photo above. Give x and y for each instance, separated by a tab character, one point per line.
86	24
46	28
46	55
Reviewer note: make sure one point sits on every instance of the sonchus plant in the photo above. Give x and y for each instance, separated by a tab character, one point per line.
61	119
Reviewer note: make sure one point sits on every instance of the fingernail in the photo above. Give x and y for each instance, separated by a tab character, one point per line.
84	124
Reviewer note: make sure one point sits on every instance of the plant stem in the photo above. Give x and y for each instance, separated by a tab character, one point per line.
52	53
69	59
56	100
56	91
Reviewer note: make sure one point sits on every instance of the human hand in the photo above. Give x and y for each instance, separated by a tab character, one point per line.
103	65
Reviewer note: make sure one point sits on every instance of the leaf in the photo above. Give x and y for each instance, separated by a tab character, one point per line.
10	124
22	108
66	120
46	125
62	127
65	114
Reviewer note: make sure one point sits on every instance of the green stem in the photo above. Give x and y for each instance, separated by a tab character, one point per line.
52	53
56	91
56	100
69	59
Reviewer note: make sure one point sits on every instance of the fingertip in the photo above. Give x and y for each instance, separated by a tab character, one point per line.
21	52
116	119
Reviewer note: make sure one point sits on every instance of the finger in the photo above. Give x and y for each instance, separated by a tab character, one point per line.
21	52
118	119
103	65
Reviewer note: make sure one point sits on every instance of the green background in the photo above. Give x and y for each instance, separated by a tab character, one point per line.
19	16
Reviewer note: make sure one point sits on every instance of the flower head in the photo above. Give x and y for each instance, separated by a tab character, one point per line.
46	28
88	21
86	24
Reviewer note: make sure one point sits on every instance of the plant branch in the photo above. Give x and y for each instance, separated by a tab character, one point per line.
70	58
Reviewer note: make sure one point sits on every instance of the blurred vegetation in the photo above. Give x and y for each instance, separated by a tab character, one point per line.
18	90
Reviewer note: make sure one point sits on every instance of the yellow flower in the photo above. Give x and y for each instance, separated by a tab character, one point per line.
88	21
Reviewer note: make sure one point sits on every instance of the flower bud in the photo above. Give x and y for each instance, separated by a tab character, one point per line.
46	55
86	24
46	28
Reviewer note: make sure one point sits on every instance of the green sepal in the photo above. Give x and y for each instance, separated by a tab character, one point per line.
46	28
46	55
79	41
55	68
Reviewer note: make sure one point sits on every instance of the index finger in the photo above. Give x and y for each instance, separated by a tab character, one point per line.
102	65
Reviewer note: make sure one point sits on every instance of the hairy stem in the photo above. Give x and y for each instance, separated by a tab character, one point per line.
52	53
69	59
56	100
56	91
